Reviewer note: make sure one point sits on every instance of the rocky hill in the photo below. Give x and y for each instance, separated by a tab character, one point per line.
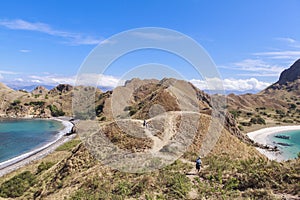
40	103
290	75
183	122
277	104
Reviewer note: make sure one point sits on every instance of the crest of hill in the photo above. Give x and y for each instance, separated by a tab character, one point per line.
40	90
4	87
146	99
61	88
291	74
288	83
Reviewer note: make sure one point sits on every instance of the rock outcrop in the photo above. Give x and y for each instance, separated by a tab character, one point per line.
40	90
290	75
61	88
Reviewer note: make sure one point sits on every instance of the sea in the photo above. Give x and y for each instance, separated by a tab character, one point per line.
289	147
18	137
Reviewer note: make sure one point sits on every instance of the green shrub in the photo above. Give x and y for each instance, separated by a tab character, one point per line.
249	114
293	106
231	184
16	102
16	186
44	166
280	112
123	189
287	121
241	128
37	103
132	110
235	113
257	120
55	112
68	146
245	123
99	109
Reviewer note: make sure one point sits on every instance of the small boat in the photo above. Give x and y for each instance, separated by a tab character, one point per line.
283	137
283	144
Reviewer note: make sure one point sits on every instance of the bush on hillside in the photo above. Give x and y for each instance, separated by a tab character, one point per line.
257	120
37	103
55	112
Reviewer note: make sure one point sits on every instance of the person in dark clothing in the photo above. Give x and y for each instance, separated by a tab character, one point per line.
198	164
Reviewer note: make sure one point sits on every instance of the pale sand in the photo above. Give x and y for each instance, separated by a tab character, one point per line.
22	160
261	137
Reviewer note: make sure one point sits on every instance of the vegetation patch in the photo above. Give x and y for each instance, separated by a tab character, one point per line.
68	146
44	166
16	186
55	112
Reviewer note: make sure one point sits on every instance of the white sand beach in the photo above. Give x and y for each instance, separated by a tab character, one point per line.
24	159
261	137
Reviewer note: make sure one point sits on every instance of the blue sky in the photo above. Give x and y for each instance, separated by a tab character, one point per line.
251	42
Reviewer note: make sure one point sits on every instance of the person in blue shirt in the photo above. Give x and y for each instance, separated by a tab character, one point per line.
198	164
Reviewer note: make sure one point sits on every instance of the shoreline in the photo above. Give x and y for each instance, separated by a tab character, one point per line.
36	154
261	137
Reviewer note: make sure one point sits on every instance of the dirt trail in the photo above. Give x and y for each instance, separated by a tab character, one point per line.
169	132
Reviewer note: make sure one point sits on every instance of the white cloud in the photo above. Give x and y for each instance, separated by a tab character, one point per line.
35	81
96	79
230	84
286	39
4	74
280	54
156	36
290	41
19	79
75	38
24	50
85	79
8	72
257	65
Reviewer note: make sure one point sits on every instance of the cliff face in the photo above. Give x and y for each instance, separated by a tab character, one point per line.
290	75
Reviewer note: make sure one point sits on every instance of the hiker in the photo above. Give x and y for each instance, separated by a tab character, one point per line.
145	123
198	164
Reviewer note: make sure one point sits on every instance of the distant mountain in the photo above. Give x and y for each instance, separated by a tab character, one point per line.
29	88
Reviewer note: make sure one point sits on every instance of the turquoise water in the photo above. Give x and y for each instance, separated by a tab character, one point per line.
21	136
289	152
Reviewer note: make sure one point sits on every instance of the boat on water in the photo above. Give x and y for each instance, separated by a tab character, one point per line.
283	137
283	144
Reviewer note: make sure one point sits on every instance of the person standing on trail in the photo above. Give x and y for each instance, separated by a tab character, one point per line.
198	164
145	123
